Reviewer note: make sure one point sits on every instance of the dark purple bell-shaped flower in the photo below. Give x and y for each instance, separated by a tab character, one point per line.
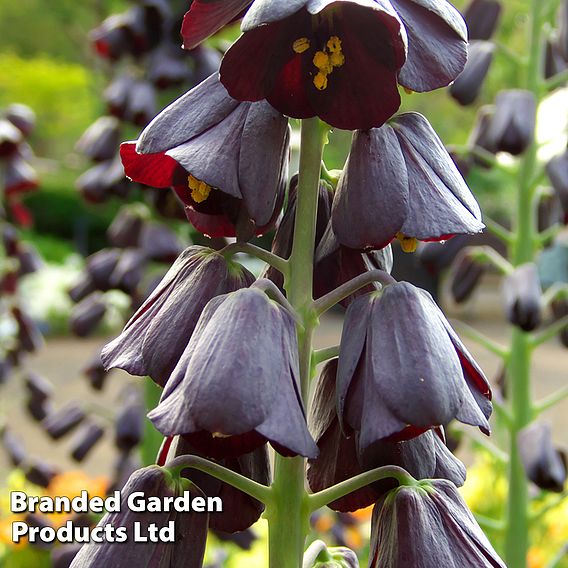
227	161
306	59
402	369
512	125
428	526
86	439
126	227
154	339
101	181
21	116
557	170
466	273
87	314
466	88
544	465
101	140
482	18
230	396
425	456
401	182
66	419
522	297
190	528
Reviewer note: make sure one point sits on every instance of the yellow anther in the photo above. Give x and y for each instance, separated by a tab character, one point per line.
337	59
322	62
320	81
408	91
199	189
407	244
334	44
301	44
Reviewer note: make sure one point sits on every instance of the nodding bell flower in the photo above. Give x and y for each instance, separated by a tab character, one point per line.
522	297
482	17
544	465
230	397
466	88
190	535
557	170
334	59
403	370
101	140
400	182
428	526
227	161
465	275
425	456
154	339
512	126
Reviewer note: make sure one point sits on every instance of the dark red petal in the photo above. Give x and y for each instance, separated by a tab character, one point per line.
155	170
210	225
363	93
205	17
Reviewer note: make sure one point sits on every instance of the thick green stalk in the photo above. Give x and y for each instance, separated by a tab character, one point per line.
288	515
519	375
152	439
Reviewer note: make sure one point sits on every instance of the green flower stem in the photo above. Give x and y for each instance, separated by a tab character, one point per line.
274	260
519	371
322	355
498	230
550	401
152	439
481	339
490	255
548	235
558	291
551	331
335	296
273	292
489	524
322	498
288	515
244	484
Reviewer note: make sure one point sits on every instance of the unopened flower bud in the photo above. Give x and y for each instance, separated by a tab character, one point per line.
87	314
128	271
29	336
95	372
522	297
41	473
560	310
22	117
318	555
124	231
482	17
59	423
38	386
130	425
85	440
160	243
544	465
466	88
512	126
101	140
557	170
466	274
100	267
29	259
13	446
142	103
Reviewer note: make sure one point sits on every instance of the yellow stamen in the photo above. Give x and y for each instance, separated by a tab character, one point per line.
337	59
408	91
199	189
407	244
322	62
301	44
320	81
334	44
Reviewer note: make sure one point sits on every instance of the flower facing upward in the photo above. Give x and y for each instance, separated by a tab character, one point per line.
236	384
428	526
338	60
403	370
400	181
227	161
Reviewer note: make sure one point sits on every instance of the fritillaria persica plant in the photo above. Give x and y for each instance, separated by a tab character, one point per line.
234	356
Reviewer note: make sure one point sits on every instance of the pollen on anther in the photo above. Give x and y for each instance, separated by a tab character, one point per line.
199	189
301	44
322	62
320	81
407	244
